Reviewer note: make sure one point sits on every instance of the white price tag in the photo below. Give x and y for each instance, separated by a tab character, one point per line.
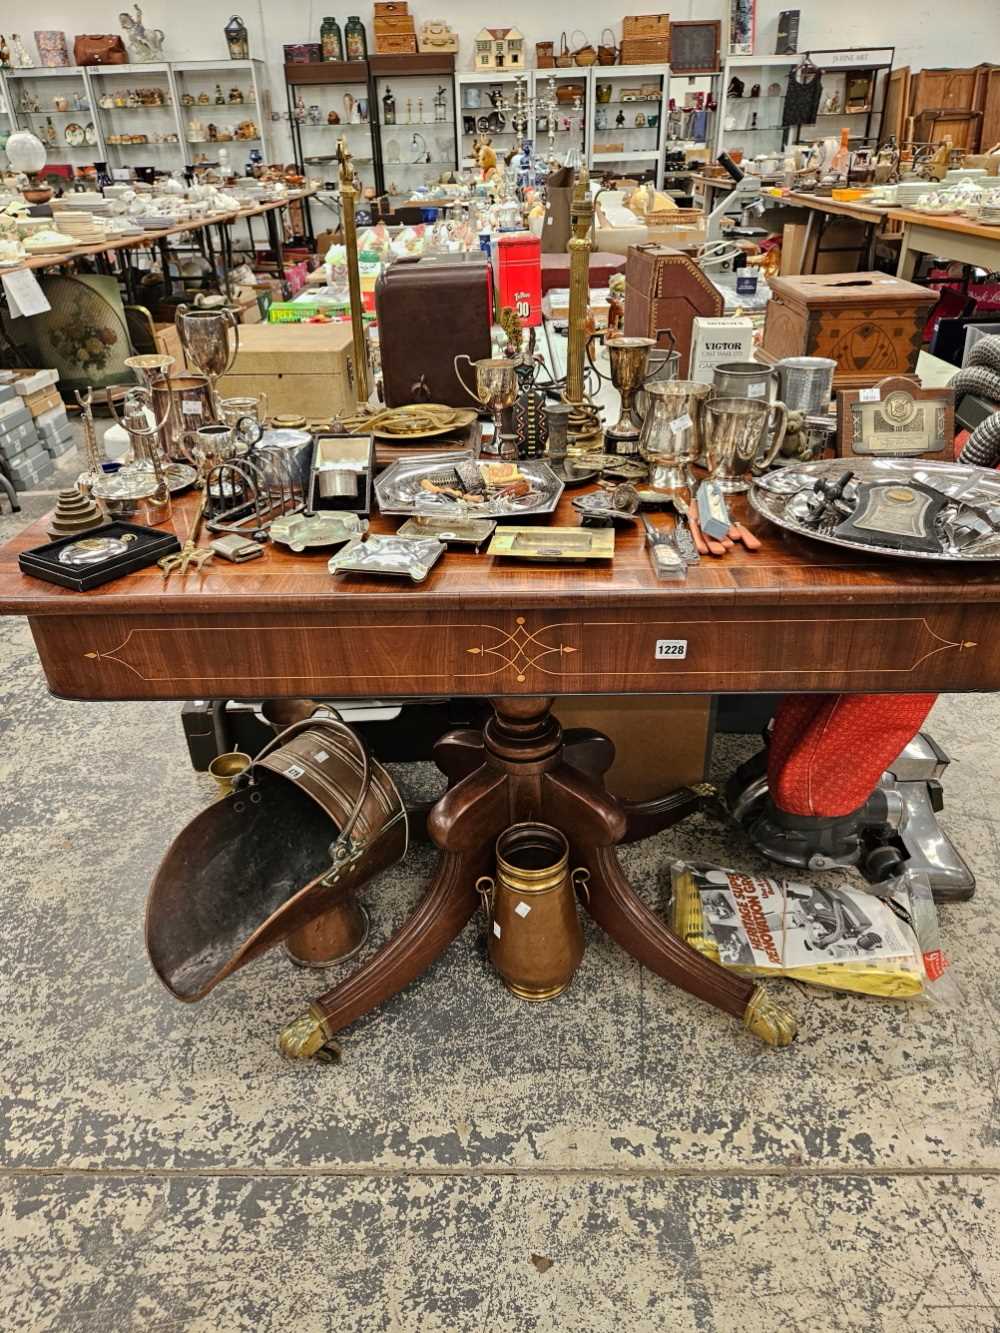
24	295
756	390
522	909
677	649
191	409
496	929
872	395
681	423
294	771
321	756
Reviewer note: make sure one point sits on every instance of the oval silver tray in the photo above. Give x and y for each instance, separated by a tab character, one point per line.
398	490
976	484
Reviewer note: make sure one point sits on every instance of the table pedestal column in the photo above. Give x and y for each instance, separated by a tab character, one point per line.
520	767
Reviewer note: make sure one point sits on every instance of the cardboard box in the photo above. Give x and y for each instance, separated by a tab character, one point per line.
40	403
715	340
54	418
168	343
305	369
13	415
33	381
617	240
646	766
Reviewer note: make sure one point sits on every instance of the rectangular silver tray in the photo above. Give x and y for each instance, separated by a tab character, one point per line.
398	557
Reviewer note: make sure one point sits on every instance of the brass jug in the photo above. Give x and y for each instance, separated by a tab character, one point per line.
535	936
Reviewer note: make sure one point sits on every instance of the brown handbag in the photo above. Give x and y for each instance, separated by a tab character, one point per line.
607	52
106	49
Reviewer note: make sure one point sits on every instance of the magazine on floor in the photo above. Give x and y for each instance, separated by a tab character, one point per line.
757	921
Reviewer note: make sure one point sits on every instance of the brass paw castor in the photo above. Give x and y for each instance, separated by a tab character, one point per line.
307	1038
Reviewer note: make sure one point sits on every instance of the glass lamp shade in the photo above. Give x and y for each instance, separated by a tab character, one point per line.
25	152
237	39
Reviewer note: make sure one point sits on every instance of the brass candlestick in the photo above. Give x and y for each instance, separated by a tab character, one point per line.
348	197
584	422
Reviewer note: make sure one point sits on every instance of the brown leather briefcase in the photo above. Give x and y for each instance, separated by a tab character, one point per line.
430	308
664	290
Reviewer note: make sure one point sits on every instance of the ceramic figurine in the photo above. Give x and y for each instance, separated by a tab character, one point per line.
235	97
220	97
21	58
640	120
204	99
145	45
4	53
620	119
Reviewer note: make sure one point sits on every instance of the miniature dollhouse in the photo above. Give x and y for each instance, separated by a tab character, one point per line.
499	48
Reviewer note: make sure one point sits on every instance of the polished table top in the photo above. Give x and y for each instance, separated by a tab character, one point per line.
787	569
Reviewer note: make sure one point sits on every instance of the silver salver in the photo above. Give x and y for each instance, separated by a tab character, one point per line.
977	486
398	490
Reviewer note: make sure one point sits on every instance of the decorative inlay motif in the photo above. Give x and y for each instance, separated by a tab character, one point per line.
522	649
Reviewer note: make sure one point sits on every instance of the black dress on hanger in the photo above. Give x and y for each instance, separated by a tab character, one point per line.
802	96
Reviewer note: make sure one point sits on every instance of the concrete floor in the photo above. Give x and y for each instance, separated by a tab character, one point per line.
622	1159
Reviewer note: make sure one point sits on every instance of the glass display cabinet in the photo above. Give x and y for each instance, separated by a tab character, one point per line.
627	122
478	99
327	100
751	101
6	120
136	111
222	104
56	105
413	106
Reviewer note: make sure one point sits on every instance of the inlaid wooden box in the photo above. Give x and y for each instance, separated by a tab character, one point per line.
871	324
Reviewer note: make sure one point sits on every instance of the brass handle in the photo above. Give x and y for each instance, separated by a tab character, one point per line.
580	879
760	465
487	895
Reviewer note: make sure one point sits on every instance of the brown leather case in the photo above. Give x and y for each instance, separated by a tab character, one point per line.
431	308
665	290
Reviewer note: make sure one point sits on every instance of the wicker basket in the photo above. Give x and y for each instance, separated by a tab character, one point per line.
545	55
607	51
565	57
646	25
645	51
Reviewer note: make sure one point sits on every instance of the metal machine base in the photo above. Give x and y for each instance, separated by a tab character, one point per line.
896	828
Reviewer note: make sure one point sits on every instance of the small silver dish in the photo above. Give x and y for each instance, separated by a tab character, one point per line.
302	532
399	557
473	532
